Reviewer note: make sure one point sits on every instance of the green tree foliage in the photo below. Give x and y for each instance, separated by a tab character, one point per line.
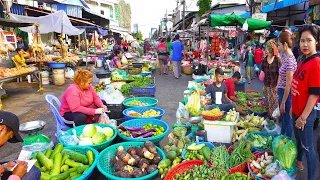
138	35
204	5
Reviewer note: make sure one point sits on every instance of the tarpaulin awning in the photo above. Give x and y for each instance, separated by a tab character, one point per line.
49	23
101	31
235	20
13	23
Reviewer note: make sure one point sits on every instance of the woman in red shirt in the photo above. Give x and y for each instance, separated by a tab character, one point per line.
80	102
305	94
163	56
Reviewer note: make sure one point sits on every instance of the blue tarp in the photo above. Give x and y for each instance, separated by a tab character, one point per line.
80	3
101	31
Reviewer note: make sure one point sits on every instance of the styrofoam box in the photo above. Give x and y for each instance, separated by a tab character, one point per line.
220	131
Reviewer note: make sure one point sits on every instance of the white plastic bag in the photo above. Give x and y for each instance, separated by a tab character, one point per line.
124	60
111	96
275	132
283	175
69	73
256	68
273	169
182	114
104	119
276	113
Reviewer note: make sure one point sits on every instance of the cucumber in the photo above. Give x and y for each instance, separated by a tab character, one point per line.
90	157
61	176
74	174
81	169
73	169
44	176
56	165
48	153
64	168
64	157
56	150
44	161
37	164
43	169
72	163
75	177
78	157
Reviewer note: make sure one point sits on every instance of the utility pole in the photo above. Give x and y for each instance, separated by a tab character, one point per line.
183	14
166	22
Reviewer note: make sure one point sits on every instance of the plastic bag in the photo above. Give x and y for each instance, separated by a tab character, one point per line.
275	131
37	147
118	74
283	175
124	60
182	114
261	76
276	113
256	68
69	73
111	96
104	119
67	138
273	169
193	106
285	151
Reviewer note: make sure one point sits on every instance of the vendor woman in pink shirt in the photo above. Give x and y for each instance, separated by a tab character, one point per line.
80	103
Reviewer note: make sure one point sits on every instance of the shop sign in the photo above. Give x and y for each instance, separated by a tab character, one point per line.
314	2
260	16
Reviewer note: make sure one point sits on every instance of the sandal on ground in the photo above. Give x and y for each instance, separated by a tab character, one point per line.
299	165
165	73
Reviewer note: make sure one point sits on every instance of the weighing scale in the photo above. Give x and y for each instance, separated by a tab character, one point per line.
194	121
32	129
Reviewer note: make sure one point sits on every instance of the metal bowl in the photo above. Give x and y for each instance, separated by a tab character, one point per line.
195	120
32	126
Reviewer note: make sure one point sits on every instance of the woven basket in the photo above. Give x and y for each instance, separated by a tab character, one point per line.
187	70
107	154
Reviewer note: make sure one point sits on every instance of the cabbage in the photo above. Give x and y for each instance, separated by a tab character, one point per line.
81	137
98	138
108	132
99	129
85	141
89	130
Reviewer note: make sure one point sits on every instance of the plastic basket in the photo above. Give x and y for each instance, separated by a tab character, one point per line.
149	91
141	110
208	144
151	102
138	123
98	147
115	111
182	168
134	70
250	103
83	150
54	65
260	133
212	118
107	154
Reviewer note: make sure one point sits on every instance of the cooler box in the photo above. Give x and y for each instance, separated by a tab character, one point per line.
220	131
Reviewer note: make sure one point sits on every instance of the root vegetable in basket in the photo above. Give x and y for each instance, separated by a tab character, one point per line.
151	168
123	174
114	160
118	166
143	163
132	151
151	146
137	172
156	159
137	158
124	156
147	154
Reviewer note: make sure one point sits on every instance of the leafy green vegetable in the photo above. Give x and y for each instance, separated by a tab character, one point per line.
180	131
271	124
260	141
258	109
285	151
139	81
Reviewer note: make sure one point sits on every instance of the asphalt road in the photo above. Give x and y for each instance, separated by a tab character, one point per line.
28	104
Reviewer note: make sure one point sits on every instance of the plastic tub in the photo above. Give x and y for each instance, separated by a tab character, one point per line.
55	65
141	110
150	102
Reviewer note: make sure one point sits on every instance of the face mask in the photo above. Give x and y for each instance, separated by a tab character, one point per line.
283	55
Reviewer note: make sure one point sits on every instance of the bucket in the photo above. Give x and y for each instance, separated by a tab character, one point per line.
58	77
45	77
98	63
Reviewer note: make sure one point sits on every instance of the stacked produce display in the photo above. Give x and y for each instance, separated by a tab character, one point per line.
12	72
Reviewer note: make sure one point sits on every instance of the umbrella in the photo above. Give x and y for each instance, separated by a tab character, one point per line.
235	20
13	23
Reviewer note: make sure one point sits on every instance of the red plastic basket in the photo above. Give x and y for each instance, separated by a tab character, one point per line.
251	91
239	168
250	104
212	118
182	168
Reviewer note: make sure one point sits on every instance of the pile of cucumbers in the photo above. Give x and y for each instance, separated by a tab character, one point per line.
63	164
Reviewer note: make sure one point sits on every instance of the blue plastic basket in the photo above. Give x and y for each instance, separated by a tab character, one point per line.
149	101
83	150
260	133
55	65
145	73
141	110
107	154
138	123
260	114
208	144
150	91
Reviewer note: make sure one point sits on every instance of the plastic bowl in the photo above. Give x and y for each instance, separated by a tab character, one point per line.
141	110
151	102
138	123
107	154
208	144
55	65
98	147
182	168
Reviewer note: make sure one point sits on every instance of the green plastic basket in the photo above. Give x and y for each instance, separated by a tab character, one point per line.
107	154
83	150
152	102
98	147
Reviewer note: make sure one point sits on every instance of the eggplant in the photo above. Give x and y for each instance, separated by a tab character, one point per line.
123	128
143	163
151	168
137	172
142	132
151	146
132	150
149	134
